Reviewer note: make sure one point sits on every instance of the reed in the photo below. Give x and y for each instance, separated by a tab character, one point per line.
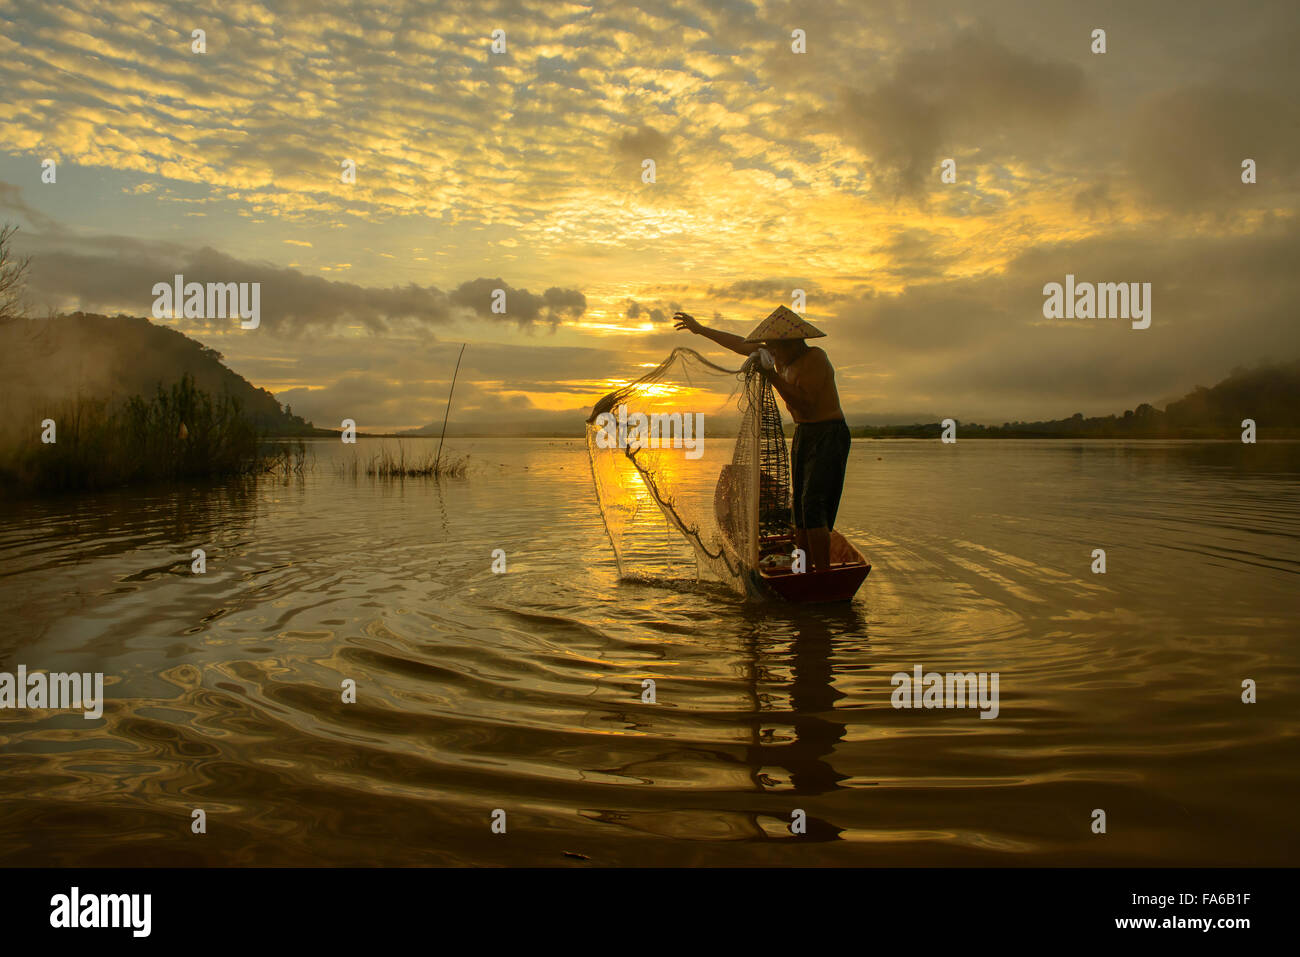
388	463
181	432
287	457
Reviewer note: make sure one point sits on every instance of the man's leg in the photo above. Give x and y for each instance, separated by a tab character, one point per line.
822	490
819	547
815	530
798	475
842	446
801	539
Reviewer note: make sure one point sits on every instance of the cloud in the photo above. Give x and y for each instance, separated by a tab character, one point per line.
916	254
979	347
521	306
110	275
657	312
11	199
1095	199
645	142
1188	146
972	94
745	290
291	302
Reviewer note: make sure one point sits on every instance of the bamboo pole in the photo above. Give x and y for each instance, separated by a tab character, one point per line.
445	415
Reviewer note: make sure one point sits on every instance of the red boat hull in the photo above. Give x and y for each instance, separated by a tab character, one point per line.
849	569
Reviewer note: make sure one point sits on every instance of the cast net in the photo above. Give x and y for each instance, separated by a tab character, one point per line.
691	471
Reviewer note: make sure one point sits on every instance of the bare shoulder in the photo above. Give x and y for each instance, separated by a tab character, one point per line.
816	356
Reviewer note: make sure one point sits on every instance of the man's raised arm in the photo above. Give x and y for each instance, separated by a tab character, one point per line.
725	339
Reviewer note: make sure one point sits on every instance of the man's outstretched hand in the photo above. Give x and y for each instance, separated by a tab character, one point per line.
687	322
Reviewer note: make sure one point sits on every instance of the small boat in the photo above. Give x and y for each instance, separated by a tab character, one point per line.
736	515
849	569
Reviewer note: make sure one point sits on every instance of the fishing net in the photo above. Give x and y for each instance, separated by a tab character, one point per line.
691	472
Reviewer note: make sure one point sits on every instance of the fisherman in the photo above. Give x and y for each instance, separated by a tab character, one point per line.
802	375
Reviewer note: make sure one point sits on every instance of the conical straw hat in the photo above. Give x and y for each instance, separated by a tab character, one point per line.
784	323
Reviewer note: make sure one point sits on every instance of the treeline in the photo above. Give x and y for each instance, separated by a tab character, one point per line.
1268	395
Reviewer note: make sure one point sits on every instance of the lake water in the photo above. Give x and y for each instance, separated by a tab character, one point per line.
522	691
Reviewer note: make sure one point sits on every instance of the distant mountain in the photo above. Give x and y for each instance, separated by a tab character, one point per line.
545	424
100	357
1268	394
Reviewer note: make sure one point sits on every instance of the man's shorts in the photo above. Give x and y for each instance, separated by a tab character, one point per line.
819	454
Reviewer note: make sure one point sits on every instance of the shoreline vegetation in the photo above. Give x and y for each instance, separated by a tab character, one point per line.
387	464
153	405
931	431
180	433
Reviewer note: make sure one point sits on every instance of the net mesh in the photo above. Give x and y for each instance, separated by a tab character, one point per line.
691	471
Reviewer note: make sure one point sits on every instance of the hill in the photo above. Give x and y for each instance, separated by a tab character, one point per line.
1268	394
53	361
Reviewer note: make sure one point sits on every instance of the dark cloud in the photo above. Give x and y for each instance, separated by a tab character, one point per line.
973	93
111	274
645	142
11	200
522	307
657	312
1187	146
917	253
1095	200
981	349
743	290
565	302
772	292
291	302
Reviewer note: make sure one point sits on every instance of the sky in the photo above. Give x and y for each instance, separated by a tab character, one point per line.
774	171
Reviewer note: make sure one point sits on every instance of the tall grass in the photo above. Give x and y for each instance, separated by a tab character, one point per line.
287	457
179	433
388	464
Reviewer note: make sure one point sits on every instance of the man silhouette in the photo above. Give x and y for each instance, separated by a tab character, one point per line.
804	378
